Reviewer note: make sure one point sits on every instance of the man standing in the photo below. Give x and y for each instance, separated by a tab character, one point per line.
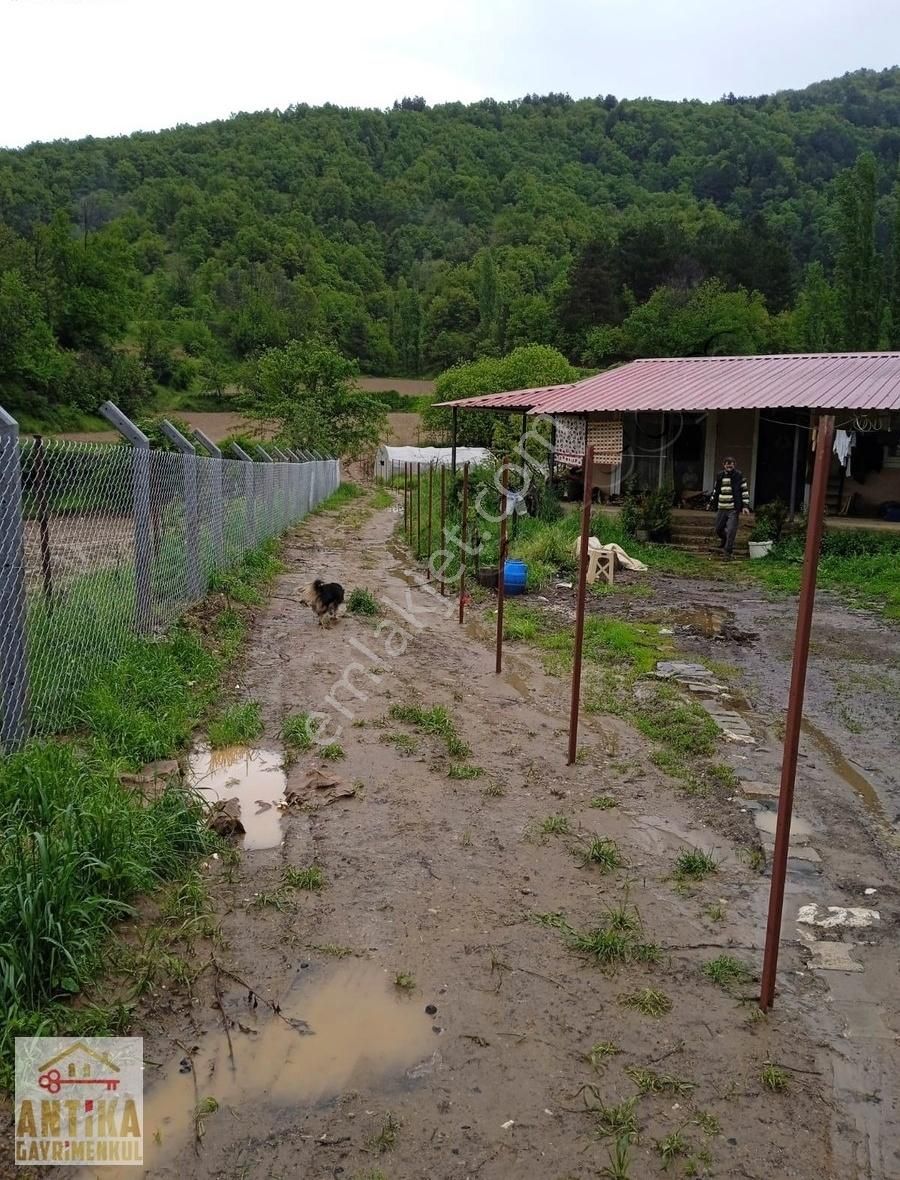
730	498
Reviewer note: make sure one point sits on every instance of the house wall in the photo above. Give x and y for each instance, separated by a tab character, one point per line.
735	432
878	487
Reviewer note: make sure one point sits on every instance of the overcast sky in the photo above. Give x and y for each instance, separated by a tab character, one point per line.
77	67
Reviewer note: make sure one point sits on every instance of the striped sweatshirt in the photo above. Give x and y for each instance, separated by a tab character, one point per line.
731	492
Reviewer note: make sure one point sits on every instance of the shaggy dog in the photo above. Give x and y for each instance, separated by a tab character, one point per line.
324	598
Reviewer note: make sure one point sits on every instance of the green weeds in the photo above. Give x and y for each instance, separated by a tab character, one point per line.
363	602
648	1001
727	972
435	722
238	725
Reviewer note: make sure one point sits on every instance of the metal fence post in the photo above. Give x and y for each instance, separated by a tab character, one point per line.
13	665
196	583
217	523
249	498
269	485
143	531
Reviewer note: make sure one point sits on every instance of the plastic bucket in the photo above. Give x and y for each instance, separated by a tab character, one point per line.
515	576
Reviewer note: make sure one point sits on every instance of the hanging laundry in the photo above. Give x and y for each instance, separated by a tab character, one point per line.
844	442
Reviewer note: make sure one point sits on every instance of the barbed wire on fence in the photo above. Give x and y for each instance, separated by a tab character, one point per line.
100	542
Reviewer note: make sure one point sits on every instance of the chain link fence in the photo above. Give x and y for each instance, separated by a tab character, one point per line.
100	542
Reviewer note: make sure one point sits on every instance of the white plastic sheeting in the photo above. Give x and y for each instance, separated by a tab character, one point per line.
393	458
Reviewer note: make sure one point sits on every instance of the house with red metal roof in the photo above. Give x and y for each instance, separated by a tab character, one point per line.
670	421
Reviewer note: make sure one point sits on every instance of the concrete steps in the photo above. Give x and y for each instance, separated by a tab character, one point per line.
698	535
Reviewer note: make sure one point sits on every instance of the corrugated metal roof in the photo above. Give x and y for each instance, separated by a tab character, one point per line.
820	381
518	399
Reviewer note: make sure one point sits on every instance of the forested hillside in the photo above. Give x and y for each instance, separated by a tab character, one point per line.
421	236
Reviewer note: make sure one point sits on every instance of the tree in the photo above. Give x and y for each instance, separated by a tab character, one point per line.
817	317
528	367
29	356
705	321
857	275
307	389
893	276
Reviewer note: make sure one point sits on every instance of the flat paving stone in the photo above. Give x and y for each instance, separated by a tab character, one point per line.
767	820
832	956
756	790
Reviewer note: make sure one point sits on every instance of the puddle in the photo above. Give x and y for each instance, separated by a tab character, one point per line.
710	622
254	777
859	783
361	1032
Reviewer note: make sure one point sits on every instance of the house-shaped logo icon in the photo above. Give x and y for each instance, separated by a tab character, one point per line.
79	1065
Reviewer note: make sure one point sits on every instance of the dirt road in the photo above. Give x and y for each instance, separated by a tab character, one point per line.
432	1019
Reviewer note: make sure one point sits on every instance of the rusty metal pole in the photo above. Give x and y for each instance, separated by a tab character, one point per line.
418	511
430	487
816	521
579	604
43	508
462	547
501	566
405	504
443	516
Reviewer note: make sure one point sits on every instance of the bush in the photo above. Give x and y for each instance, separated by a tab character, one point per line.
770	521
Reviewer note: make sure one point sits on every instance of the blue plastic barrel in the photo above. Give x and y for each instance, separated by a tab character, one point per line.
515	576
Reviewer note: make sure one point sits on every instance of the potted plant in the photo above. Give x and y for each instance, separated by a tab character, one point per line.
658	514
767	529
647	516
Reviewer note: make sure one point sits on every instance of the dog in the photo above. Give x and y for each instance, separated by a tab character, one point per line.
324	598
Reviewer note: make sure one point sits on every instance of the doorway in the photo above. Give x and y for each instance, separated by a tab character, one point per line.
781	456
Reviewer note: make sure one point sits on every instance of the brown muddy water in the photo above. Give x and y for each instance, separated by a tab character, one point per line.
361	1030
254	777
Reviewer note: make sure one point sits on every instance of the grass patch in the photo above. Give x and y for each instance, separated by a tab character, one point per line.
461	770
860	564
298	731
363	602
343	495
332	752
650	1082
493	790
405	981
693	865
619	1166
604	802
617	1121
554	825
716	912
381	499
599	1054
237	726
648	1001
404	742
727	971
76	849
773	1077
708	1123
601	852
334	950
435	722
615	941
673	1146
312	878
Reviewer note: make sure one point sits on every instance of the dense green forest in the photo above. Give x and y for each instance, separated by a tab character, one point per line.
418	237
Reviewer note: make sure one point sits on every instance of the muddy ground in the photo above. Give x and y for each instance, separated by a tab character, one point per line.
432	1021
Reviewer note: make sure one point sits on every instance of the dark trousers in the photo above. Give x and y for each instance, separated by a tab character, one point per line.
727	527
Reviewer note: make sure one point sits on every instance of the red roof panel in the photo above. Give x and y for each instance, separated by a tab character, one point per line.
518	399
822	381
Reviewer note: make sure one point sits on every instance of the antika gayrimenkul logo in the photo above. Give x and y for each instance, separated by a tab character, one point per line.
79	1101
